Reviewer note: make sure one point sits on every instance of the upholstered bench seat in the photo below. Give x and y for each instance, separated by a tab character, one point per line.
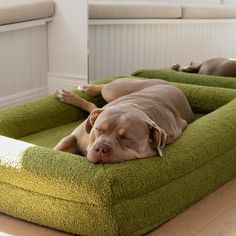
133	10
15	11
68	193
151	10
208	12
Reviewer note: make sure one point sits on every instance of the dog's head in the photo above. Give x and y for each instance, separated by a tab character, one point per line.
119	134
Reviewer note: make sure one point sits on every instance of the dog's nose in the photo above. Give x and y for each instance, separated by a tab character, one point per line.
102	149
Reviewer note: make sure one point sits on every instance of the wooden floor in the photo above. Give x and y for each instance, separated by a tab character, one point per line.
213	216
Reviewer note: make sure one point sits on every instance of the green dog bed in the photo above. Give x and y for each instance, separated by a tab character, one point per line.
68	193
188	78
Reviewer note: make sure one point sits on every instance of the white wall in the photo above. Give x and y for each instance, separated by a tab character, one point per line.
67	44
229	1
175	1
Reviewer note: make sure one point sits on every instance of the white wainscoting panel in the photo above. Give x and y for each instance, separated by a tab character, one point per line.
58	81
23	61
119	47
24	96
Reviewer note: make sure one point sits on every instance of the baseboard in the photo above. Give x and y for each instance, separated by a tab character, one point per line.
24	25
24	96
60	81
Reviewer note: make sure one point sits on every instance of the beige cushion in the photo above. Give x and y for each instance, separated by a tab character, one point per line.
13	11
136	10
209	12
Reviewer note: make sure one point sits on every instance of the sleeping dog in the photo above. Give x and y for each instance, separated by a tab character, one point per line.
216	66
140	118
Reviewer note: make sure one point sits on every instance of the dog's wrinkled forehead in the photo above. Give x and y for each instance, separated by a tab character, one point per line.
107	119
120	121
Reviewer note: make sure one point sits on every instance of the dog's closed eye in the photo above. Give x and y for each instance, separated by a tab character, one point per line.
121	133
98	130
126	140
102	129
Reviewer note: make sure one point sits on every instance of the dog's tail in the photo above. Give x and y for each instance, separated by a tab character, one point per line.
192	68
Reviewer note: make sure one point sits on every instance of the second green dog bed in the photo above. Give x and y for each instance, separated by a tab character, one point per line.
188	78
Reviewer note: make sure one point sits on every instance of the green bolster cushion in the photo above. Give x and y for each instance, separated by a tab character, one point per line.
66	192
188	78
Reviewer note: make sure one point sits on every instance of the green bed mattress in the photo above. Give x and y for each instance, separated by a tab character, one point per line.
68	193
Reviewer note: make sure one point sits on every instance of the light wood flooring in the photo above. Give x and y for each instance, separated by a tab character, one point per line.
215	215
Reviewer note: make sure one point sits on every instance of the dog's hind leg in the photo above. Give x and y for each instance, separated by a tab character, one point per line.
124	86
91	89
109	94
192	68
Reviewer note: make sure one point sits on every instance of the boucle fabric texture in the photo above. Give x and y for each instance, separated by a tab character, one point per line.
66	192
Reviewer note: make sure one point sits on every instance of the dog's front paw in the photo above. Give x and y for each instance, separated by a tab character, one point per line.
175	67
67	96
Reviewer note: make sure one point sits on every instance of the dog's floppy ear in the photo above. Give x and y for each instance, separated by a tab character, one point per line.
159	136
91	119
